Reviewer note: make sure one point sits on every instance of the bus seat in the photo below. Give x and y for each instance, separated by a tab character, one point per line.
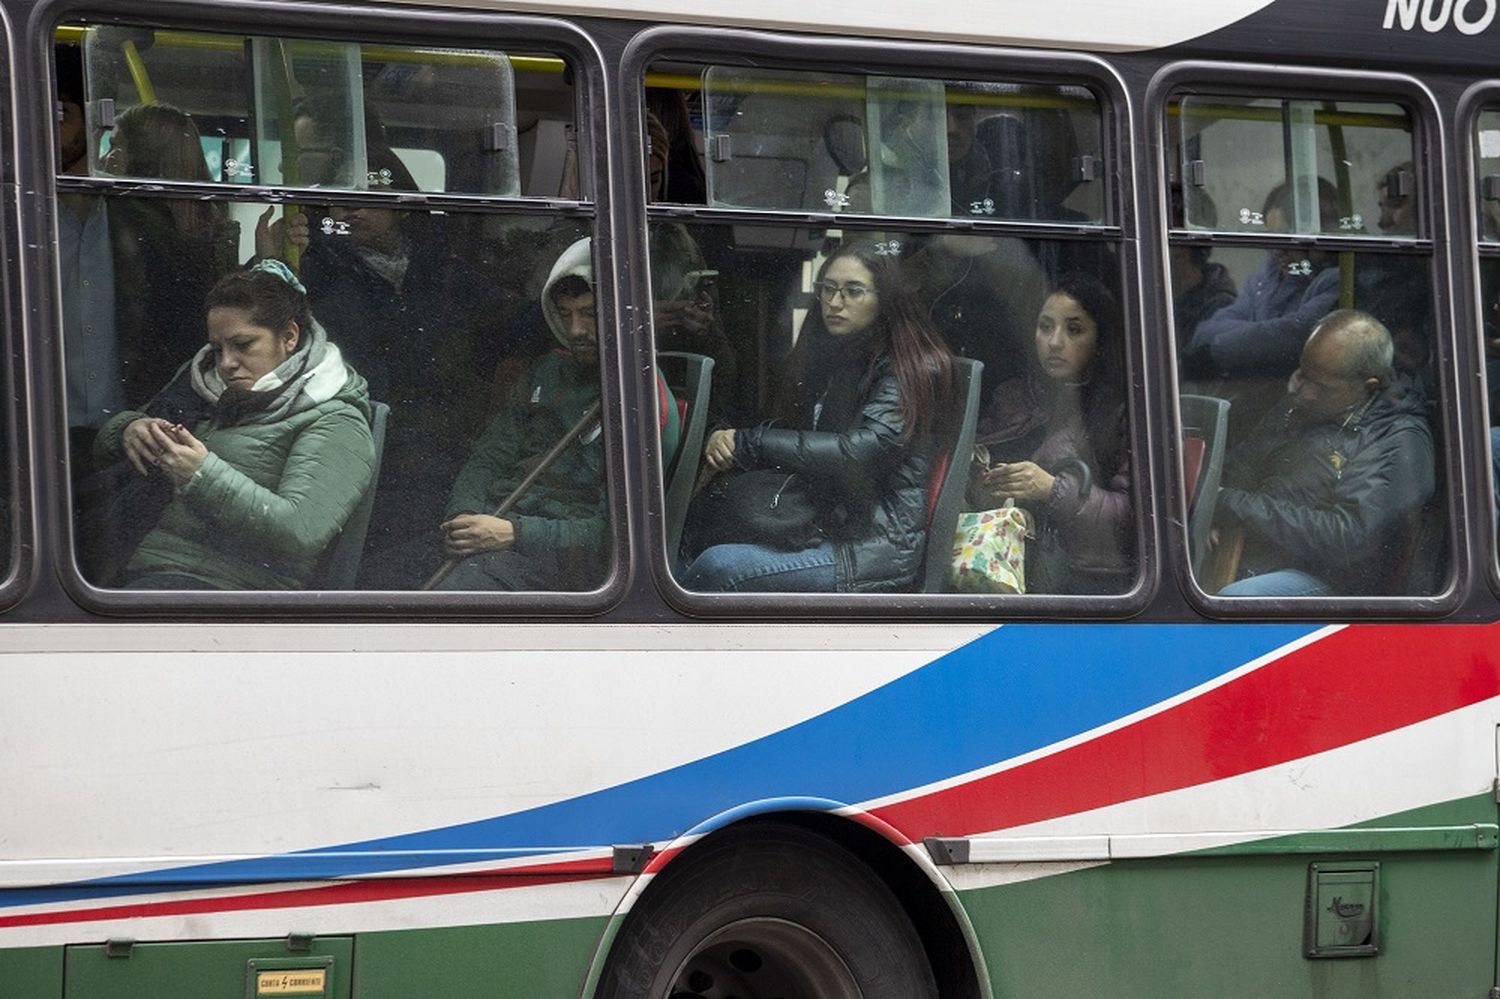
1193	449
690	377
950	476
340	563
1206	419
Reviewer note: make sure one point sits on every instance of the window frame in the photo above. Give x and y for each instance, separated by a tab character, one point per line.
18	573
718	47
386	26
1478	98
1237	79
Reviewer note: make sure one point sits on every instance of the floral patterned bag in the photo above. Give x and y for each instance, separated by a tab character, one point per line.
989	551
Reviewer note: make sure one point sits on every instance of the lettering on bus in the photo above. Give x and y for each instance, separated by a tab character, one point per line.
311	981
1470	17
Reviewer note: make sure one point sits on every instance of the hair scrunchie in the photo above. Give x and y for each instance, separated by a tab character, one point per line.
276	268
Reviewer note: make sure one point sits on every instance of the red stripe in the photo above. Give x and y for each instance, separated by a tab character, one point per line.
1354	684
341	893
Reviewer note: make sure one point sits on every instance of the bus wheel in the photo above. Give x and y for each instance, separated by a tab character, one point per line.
765	911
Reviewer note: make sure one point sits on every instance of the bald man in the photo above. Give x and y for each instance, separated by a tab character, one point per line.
1326	486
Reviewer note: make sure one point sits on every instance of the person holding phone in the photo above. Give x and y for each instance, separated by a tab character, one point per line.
1054	441
278	454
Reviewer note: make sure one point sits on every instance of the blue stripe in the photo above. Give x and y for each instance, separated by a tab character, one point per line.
1015	690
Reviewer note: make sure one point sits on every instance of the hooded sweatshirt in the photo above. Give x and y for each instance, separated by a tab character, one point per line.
564	514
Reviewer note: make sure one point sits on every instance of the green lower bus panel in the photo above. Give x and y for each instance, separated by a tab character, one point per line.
231	969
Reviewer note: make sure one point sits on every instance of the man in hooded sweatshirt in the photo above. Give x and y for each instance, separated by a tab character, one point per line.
556	537
1326	487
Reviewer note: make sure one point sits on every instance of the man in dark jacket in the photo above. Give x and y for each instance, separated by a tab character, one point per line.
1328	485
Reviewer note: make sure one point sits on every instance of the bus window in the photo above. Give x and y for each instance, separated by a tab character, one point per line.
271	396
1234	152
803	323
299	113
1325	480
901	146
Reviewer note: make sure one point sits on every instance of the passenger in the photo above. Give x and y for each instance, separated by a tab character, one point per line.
982	292
279	457
1393	289
856	420
412	312
557	535
86	264
1200	287
1326	488
685	292
1056	441
684	176
171	252
1265	328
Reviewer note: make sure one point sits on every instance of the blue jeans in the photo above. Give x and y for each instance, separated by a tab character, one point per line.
1281	583
758	569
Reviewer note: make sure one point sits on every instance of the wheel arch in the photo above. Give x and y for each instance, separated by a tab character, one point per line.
926	897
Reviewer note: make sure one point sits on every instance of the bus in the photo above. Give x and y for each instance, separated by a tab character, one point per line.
370	648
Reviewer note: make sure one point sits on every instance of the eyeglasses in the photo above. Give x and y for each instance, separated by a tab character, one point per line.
853	294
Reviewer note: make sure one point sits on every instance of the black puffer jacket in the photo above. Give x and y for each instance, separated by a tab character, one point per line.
875	483
1332	498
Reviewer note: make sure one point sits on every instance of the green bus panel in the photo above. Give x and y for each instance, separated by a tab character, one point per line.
1209	926
31	973
229	969
508	961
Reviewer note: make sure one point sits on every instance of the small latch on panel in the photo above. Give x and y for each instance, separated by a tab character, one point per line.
1198	173
118	947
299	942
496	137
1490	187
631	859
1085	168
721	149
104	108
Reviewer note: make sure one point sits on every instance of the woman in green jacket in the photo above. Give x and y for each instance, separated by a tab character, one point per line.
276	458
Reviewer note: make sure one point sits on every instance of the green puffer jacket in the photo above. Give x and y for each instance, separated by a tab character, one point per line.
268	499
565	511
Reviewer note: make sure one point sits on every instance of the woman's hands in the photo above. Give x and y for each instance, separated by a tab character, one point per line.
155	443
1022	481
473	533
719	451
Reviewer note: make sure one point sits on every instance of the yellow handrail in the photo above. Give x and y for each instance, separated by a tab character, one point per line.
138	74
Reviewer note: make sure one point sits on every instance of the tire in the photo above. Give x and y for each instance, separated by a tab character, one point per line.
767	911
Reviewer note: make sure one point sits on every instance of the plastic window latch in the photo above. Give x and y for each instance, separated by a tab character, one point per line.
722	150
1198	173
1490	188
105	108
496	137
1085	168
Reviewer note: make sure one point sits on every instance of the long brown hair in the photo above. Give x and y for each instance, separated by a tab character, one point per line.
919	359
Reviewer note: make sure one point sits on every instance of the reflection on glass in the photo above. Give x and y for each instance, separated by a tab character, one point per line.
814	405
901	146
250	463
1322	166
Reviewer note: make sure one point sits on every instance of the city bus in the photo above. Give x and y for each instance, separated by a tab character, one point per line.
304	760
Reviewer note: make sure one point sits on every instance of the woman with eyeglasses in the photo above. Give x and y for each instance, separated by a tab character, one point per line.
854	429
1054	443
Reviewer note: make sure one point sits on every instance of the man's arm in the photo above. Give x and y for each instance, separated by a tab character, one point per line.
1389	480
